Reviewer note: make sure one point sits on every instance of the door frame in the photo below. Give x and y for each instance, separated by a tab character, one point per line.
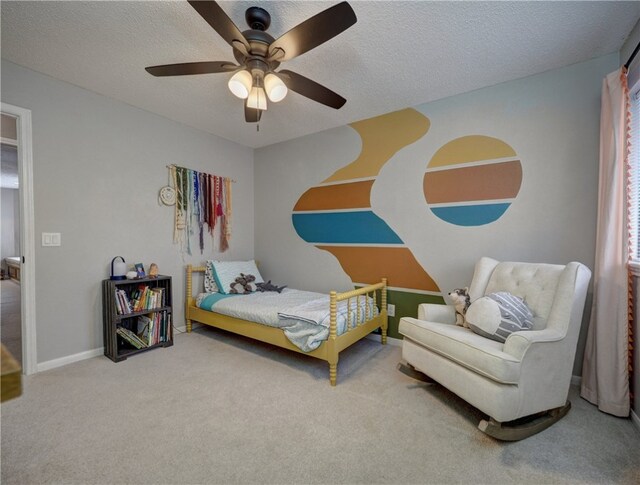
27	236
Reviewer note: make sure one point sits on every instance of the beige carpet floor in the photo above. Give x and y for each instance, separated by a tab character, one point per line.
218	408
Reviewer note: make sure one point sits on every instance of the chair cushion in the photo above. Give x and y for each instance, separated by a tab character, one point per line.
498	315
461	345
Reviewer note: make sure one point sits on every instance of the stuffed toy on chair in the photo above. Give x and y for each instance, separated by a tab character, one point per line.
461	300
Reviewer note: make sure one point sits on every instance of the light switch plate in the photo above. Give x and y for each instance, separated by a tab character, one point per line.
51	239
391	310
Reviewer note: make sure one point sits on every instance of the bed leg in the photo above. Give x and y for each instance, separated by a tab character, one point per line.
333	374
188	325
384	335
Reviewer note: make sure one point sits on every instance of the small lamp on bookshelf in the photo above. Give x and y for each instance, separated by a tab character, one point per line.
118	268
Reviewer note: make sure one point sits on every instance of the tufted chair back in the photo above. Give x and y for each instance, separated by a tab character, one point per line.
536	283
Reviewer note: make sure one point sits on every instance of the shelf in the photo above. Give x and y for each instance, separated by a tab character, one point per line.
123	353
116	347
118	318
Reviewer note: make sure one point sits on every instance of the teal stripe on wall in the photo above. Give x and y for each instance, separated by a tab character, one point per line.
359	227
471	215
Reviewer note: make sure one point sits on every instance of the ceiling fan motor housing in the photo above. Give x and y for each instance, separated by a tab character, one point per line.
257	18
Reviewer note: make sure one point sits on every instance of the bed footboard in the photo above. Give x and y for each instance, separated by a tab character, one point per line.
356	331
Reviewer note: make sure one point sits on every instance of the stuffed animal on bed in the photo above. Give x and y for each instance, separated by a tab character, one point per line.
243	284
461	300
269	287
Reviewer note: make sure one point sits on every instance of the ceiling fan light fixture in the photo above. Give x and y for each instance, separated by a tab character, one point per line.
257	99
276	89
240	84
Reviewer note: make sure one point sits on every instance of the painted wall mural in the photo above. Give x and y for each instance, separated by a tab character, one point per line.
469	181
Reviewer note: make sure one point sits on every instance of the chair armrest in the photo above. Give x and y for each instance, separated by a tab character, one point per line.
518	342
432	312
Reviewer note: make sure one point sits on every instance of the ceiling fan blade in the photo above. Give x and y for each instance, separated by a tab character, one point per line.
186	68
251	115
220	21
311	89
313	32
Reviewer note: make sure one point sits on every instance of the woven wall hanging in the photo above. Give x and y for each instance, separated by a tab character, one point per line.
202	203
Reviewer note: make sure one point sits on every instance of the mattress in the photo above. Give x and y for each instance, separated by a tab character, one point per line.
302	315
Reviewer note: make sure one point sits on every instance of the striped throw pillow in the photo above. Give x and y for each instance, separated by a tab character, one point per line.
498	315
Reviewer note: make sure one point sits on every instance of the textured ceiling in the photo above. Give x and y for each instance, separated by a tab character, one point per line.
398	54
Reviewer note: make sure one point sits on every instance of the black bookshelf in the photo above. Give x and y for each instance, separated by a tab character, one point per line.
115	315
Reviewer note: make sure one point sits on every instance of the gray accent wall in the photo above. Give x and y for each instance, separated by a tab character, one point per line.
98	165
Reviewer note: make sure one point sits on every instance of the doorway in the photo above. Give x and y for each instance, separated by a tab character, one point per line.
10	254
17	261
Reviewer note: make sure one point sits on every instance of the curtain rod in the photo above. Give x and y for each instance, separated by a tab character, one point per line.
632	56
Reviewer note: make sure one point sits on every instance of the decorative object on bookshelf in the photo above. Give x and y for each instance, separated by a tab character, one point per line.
140	270
137	316
153	270
118	268
132	275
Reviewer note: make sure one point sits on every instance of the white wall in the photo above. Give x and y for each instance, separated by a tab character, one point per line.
10	224
98	166
550	119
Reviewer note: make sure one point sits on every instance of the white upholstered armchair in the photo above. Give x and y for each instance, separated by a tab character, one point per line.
530	372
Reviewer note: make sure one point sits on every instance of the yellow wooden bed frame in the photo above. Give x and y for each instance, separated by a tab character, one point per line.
328	350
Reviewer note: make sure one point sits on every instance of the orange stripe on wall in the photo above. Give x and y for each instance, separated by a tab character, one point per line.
481	182
369	264
352	195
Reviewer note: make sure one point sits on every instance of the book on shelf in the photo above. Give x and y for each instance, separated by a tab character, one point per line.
146	298
140	299
123	305
131	337
154	328
145	329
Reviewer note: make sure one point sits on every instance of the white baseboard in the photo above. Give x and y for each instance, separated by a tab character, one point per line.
635	419
396	342
69	359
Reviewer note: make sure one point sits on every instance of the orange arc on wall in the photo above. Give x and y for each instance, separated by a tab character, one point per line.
352	195
365	264
471	148
480	182
382	136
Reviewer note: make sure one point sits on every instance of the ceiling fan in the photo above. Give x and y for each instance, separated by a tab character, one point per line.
259	55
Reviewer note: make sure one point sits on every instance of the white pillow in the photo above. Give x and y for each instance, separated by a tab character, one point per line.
210	285
498	315
226	272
